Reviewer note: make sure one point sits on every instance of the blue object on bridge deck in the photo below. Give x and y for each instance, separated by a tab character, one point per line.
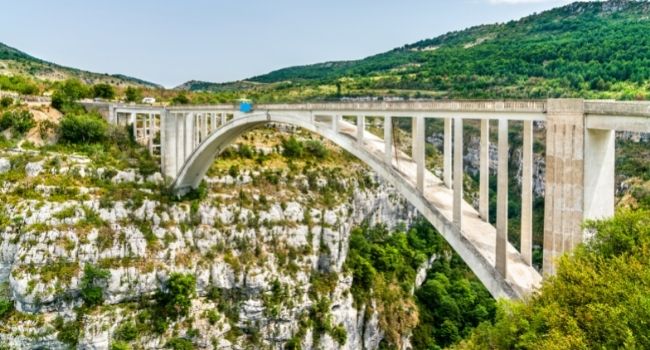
245	106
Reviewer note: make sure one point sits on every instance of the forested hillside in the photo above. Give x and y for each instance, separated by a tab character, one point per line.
591	50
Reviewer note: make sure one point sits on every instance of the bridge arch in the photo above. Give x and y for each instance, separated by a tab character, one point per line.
520	278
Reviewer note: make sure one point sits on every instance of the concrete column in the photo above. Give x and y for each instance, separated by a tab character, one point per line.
458	171
134	123
527	195
564	189
388	140
213	122
150	131
447	152
180	140
361	128
223	119
335	123
204	129
418	150
600	160
189	134
484	183
502	199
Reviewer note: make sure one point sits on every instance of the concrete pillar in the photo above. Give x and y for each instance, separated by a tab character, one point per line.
361	128
502	199
600	159
447	152
150	131
564	189
189	134
169	144
484	182
418	150
335	123
213	122
223	119
458	171
204	128
527	195
388	140
180	140
134	123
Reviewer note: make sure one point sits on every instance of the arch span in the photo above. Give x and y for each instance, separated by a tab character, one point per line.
474	242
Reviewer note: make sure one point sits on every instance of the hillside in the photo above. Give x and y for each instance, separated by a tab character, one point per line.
14	62
592	50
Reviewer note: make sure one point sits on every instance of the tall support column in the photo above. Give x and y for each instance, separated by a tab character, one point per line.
361	128
484	183
223	118
447	152
134	123
502	199
458	171
418	150
150	132
527	195
600	158
189	134
213	122
169	138
388	140
335	123
564	189
181	135
204	126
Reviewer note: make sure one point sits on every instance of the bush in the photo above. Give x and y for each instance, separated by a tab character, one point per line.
104	91
68	332
292	148
67	94
179	344
126	331
83	128
120	345
92	292
316	149
6	101
175	298
20	121
6	307
133	94
180	99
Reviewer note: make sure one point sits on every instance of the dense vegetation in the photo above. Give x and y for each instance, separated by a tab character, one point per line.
384	265
591	50
597	300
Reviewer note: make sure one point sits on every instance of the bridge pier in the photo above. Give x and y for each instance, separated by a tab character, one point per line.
388	140
526	227
484	171
447	152
502	199
361	128
458	172
418	151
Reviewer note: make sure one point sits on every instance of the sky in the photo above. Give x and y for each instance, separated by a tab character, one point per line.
171	41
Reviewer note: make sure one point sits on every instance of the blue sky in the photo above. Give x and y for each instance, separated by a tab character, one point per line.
170	42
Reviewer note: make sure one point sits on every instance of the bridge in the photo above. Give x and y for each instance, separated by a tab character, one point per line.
580	158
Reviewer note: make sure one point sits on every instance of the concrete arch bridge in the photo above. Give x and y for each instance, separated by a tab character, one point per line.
580	158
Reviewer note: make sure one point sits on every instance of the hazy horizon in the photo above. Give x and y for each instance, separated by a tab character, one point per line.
226	41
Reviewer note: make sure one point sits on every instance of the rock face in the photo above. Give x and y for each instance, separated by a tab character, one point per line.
143	238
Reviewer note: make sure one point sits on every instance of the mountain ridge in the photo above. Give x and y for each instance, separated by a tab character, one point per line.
15	62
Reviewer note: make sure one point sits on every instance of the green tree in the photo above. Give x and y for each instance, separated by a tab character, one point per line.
20	121
68	93
133	94
92	285
104	91
175	298
180	99
83	128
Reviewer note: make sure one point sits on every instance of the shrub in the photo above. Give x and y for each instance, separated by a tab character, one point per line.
92	292
316	149
120	345
292	148
20	121
83	128
179	344
68	332
126	331
6	307
180	99
6	101
68	93
175	298
104	91
133	94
